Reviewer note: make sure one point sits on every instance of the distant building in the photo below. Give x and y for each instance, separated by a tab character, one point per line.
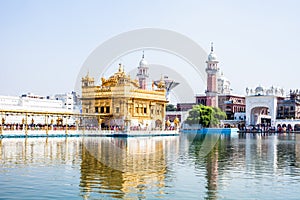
232	104
261	105
288	112
34	108
270	107
30	102
289	108
221	96
185	106
201	99
223	85
67	100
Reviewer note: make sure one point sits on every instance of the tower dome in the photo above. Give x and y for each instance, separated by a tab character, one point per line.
212	56
143	62
259	90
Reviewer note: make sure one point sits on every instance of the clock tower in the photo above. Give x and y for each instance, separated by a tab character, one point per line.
212	71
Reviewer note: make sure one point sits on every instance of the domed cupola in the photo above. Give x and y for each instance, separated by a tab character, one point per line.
259	90
212	56
143	62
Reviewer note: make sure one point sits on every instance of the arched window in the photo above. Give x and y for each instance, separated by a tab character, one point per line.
289	127
297	127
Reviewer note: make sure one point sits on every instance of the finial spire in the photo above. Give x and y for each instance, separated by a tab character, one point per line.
143	54
211	46
121	67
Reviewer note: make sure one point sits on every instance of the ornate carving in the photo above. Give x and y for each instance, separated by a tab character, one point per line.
260	91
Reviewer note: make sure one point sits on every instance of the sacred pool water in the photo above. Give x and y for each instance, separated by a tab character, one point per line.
176	167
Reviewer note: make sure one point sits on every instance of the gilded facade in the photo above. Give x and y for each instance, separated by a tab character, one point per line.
121	102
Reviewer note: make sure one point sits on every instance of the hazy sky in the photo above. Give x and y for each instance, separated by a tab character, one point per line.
43	44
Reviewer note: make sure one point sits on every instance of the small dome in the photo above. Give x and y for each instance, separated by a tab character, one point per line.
259	89
143	63
212	56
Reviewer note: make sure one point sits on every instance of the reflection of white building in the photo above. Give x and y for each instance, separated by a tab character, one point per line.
45	151
261	105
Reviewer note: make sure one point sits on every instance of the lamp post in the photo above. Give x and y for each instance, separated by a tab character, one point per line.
66	124
2	124
99	122
26	125
46	122
81	123
127	123
77	122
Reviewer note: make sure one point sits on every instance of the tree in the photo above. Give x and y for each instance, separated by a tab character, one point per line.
170	107
205	115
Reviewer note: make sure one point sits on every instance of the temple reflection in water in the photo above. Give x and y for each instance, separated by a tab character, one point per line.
126	165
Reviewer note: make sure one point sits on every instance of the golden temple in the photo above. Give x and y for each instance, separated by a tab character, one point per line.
124	103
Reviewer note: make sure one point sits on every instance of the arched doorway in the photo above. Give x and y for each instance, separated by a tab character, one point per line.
256	103
260	115
279	128
289	127
297	127
158	124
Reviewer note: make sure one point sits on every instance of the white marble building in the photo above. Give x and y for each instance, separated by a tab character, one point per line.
261	105
223	85
12	107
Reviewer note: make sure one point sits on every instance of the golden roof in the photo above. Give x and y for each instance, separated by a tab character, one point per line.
119	78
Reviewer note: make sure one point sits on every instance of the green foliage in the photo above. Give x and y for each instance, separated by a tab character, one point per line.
205	115
170	107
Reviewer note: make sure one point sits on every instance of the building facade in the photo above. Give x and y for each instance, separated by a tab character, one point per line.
289	108
69	100
35	109
223	85
261	105
184	106
232	104
123	102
